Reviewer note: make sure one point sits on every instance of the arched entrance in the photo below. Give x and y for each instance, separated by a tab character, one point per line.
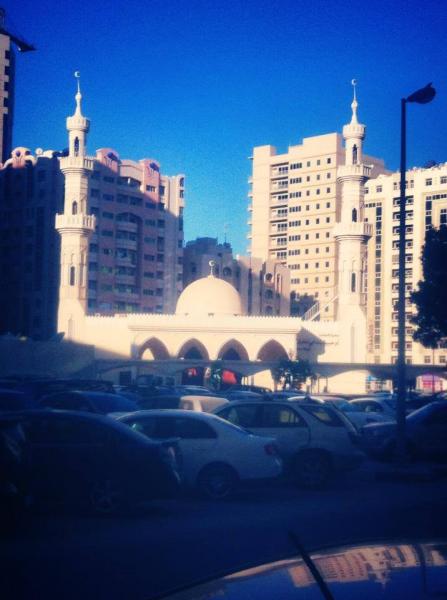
153	349
272	350
231	351
193	350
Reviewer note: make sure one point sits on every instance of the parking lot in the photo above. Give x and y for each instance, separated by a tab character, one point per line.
177	542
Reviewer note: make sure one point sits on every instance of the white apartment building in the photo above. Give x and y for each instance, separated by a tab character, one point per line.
294	203
426	206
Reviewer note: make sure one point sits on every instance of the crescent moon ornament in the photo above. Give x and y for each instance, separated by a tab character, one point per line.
77	74
354	81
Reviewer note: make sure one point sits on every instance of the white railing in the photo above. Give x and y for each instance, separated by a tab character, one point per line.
316	309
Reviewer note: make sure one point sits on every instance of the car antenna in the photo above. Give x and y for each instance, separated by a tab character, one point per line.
311	566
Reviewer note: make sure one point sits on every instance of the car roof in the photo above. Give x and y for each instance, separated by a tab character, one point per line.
75	415
167	412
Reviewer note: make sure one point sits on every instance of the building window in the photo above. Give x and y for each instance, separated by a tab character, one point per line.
429	181
74	208
378	189
72	275
354	215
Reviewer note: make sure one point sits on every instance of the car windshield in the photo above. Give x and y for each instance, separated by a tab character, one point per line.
345	406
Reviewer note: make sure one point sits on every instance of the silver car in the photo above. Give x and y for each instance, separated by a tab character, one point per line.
313	439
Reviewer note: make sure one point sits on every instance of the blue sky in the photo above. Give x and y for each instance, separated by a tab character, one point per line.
198	84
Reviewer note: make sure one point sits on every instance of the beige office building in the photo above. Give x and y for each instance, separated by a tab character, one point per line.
426	206
294	203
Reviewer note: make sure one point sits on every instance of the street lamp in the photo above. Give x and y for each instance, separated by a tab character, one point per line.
422	96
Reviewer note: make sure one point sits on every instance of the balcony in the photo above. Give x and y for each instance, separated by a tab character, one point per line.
76	223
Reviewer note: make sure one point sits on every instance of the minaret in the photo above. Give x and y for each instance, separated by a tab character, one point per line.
74	226
352	233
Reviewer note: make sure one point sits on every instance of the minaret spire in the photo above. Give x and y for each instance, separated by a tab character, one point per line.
78	125
355	104
78	96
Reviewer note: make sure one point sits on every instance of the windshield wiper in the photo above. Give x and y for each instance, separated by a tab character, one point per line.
312	567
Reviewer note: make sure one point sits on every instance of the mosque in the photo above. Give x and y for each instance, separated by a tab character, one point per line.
209	324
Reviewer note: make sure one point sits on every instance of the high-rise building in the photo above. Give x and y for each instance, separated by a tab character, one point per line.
7	81
7	65
331	214
426	206
263	285
135	249
31	193
294	203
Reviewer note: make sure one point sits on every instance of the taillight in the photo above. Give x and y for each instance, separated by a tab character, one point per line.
271	449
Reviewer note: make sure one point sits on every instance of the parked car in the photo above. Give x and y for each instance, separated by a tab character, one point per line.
257	389
285	395
426	434
94	460
36	388
14	400
217	456
93	402
201	403
378	405
313	439
401	569
353	412
196	390
237	396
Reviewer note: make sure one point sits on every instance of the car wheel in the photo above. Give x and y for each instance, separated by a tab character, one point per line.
106	497
312	469
217	482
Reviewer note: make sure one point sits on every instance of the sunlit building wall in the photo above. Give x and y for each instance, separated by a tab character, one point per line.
426	206
294	202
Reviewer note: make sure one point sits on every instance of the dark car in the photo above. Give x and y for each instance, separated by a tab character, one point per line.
426	433
81	458
36	388
94	402
14	400
388	571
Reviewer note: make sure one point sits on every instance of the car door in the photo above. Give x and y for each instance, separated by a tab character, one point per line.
64	453
247	416
199	444
286	425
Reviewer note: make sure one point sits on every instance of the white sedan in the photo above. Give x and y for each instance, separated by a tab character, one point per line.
217	455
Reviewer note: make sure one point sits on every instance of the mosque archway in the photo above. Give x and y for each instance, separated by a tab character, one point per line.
193	350
272	350
232	351
153	349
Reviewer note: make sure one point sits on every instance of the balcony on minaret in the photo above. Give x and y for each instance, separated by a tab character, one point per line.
76	163
76	223
353	230
361	171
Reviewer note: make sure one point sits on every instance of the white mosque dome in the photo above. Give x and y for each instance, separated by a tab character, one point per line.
209	296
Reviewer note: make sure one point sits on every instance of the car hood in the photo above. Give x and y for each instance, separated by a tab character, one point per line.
388	571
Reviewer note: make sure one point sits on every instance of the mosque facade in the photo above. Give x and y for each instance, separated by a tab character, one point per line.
209	323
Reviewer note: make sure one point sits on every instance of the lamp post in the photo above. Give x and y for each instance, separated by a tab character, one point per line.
422	96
